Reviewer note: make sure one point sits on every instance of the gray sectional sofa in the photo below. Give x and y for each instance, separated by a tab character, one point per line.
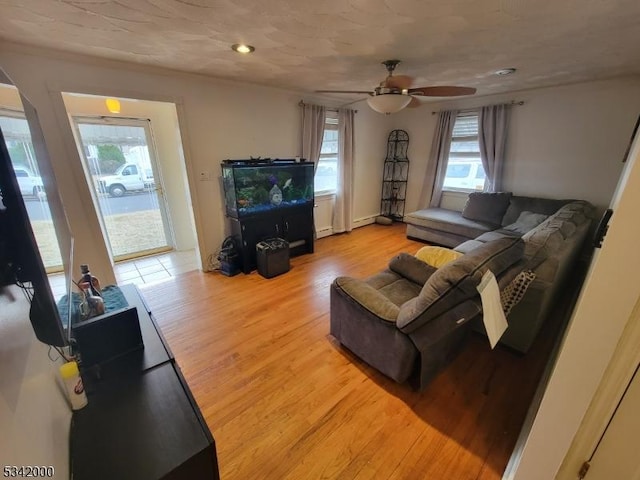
553	232
409	320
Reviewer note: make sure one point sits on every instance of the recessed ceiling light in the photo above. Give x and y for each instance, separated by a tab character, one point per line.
242	48
505	71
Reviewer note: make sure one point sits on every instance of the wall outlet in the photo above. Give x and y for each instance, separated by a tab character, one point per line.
205	176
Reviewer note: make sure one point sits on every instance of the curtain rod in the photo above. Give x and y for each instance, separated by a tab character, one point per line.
302	104
512	102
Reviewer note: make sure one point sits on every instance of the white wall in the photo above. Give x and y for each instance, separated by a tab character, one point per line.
34	414
218	120
564	142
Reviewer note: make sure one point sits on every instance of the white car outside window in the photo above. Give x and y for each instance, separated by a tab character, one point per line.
464	176
29	184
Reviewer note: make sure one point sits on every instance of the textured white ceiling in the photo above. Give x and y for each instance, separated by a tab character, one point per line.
339	44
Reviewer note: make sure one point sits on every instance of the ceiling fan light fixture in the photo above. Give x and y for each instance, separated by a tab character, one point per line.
389	102
242	48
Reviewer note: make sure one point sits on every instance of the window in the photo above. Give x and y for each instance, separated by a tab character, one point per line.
464	166
326	179
130	170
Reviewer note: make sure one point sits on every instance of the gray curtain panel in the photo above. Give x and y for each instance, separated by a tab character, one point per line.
343	208
313	118
437	166
492	136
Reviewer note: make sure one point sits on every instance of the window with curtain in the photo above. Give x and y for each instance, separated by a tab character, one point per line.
464	165
326	178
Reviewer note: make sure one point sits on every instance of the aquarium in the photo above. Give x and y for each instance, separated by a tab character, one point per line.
251	188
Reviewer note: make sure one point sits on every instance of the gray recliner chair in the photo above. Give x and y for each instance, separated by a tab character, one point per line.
408	321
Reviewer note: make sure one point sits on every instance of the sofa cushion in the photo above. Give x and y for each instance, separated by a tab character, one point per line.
437	256
445	220
486	207
412	268
581	206
566	227
576	217
369	298
469	245
495	235
518	204
525	222
456	282
542	241
400	291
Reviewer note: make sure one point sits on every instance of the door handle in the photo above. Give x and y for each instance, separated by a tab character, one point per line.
603	226
286	226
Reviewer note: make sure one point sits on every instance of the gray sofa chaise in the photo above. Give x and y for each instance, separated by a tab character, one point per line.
553	232
409	320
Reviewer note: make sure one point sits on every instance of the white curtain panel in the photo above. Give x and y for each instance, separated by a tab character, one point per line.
343	208
438	157
313	118
492	137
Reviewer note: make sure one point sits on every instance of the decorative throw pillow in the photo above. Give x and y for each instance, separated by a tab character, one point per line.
487	207
526	221
437	256
511	295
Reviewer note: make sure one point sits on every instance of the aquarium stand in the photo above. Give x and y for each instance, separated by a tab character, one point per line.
266	200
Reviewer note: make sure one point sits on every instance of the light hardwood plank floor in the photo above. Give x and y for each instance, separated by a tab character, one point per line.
285	401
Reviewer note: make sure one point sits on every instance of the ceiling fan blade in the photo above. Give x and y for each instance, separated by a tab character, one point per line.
398	81
442	91
368	92
414	103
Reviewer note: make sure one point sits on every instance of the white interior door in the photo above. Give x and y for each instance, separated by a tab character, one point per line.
120	163
617	454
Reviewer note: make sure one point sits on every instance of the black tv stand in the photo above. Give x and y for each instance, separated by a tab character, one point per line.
141	421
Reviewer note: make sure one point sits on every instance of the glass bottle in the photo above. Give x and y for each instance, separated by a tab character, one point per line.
92	301
93	285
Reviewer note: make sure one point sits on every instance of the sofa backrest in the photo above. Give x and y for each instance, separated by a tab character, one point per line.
456	282
562	231
519	204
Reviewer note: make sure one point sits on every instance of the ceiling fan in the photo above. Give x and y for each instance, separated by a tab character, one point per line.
394	92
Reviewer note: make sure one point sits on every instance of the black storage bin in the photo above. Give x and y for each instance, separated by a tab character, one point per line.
272	257
229	262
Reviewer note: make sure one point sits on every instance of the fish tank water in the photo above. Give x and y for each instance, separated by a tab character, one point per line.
255	187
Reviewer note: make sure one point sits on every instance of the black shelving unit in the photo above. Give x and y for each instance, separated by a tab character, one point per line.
396	172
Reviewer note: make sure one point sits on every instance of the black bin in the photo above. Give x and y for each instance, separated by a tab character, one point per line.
272	257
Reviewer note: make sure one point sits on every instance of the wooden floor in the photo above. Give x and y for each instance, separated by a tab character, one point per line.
285	401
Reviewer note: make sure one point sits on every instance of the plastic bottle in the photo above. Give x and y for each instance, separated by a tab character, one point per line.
73	384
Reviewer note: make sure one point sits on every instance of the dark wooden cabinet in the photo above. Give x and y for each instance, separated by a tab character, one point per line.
294	224
141	421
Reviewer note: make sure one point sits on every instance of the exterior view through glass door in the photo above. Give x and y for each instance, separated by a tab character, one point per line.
120	164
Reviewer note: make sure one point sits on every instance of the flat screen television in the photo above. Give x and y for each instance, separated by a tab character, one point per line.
20	260
252	187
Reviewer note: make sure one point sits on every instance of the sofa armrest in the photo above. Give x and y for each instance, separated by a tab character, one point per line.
368	298
411	268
